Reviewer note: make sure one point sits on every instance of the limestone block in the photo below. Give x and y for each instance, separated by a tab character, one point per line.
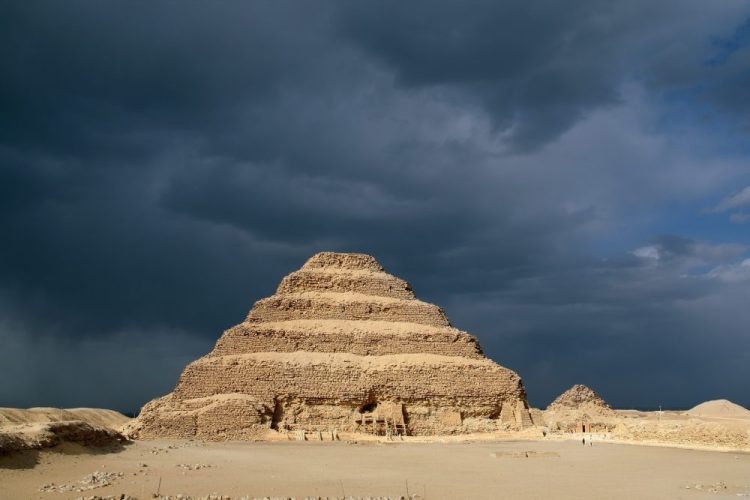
341	346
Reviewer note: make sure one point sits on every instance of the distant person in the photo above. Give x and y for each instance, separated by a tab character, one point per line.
583	441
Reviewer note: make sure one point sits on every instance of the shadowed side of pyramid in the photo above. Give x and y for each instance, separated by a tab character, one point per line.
344	346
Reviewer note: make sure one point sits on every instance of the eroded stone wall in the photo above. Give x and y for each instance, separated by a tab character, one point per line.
365	338
339	339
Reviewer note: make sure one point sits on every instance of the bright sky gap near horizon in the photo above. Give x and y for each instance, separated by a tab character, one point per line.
570	182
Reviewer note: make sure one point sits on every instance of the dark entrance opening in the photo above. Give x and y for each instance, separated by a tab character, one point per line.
368	407
278	415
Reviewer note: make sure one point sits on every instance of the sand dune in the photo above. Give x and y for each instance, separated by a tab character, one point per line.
719	408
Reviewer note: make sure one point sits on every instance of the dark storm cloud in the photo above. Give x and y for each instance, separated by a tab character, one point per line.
162	167
642	326
537	68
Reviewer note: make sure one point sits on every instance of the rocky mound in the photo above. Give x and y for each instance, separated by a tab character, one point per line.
719	408
577	397
341	346
35	436
94	416
580	409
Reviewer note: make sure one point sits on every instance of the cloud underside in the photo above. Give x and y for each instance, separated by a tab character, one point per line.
161	170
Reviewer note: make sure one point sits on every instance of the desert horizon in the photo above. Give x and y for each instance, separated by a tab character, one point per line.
374	250
345	376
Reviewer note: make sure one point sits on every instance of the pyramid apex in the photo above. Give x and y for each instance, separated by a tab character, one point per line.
341	260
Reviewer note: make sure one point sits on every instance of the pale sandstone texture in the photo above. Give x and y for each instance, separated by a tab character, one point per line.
577	397
38	428
341	346
40	435
580	409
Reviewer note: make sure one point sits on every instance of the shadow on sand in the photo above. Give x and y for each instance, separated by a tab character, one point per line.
30	458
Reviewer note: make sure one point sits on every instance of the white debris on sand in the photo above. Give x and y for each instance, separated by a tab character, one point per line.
122	496
719	487
194	466
89	482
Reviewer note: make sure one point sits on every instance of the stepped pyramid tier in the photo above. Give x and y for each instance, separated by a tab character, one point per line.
577	397
580	409
341	346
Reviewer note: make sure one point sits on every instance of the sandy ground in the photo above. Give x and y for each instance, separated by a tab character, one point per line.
519	469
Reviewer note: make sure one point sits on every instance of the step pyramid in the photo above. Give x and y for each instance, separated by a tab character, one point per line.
576	397
341	346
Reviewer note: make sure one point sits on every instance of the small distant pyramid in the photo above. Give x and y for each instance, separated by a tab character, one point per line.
340	346
577	397
719	408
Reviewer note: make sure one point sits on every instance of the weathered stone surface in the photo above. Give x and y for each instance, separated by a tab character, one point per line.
341	346
345	306
576	397
41	435
579	409
366	338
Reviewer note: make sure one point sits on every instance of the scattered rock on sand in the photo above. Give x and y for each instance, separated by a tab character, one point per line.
193	466
91	481
122	496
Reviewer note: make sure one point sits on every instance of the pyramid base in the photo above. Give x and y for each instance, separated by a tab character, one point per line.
239	417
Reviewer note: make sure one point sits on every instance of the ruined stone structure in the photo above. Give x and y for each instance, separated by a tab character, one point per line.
577	397
341	346
580	409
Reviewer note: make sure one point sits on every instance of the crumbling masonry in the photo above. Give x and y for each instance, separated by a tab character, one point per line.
341	346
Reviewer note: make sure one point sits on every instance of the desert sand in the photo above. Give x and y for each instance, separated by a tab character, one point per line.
520	469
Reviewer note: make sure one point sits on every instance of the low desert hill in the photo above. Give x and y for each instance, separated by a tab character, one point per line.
719	408
38	428
93	416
